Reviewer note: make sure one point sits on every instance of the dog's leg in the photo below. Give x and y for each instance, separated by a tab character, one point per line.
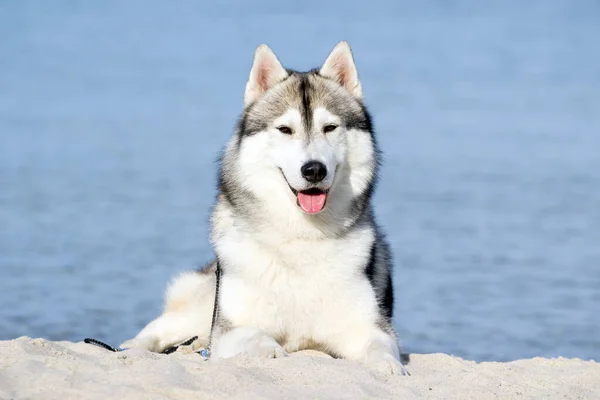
188	312
376	347
247	340
383	353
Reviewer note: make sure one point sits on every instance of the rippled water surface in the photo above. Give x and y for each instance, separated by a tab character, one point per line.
112	115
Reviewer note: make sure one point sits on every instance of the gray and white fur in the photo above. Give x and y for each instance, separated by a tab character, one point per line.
304	265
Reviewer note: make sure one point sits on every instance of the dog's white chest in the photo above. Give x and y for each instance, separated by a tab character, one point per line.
301	292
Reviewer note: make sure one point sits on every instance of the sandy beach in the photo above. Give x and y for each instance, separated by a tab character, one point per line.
40	369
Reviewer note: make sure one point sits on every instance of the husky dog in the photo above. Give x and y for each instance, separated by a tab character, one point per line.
302	263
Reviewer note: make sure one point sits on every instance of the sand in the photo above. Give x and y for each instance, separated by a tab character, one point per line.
40	369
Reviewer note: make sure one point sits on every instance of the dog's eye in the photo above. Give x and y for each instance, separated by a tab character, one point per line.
329	128
285	129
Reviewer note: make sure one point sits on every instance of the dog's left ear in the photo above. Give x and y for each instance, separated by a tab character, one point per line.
266	72
340	67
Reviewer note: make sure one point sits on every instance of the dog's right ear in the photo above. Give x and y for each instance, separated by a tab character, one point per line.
265	73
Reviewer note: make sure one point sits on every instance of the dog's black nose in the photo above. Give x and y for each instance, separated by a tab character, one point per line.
314	171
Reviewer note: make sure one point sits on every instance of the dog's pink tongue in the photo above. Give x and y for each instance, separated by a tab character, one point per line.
312	203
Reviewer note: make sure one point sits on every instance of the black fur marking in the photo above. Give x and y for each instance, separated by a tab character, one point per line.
384	288
386	303
247	127
306	111
388	299
370	269
360	202
365	123
223	187
241	124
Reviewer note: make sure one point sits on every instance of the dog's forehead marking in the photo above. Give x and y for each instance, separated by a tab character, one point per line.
305	92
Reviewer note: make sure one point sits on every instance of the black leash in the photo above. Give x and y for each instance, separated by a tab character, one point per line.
204	352
101	344
172	349
108	347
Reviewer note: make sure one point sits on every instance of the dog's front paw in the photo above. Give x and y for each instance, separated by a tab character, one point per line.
249	341
150	343
265	347
388	364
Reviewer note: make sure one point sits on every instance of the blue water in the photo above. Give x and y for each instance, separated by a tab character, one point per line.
112	115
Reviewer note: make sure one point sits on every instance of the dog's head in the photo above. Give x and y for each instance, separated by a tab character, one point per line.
304	142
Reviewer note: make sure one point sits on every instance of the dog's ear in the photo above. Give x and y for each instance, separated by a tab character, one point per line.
340	67
265	73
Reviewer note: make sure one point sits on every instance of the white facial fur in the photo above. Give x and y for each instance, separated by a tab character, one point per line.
266	157
291	152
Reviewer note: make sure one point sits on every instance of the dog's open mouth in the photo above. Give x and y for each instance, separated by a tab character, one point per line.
311	201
